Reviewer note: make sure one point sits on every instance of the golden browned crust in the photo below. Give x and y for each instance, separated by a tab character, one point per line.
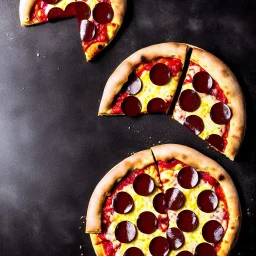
230	86
203	163
103	189
120	75
119	7
25	9
97	245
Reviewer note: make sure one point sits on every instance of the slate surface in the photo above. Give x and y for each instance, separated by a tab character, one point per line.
54	148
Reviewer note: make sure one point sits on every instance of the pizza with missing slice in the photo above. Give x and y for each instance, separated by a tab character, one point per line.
170	200
98	20
210	104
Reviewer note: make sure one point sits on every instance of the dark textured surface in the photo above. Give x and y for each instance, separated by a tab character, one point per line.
54	148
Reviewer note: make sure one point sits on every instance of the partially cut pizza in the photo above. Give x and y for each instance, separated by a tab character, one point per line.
210	103
98	20
180	204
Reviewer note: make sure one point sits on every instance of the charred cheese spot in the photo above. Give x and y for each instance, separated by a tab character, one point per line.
150	90
192	238
207	101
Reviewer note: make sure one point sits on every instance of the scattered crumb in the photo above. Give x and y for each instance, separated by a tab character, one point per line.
129	127
38	54
58	68
7	34
150	137
159	141
23	88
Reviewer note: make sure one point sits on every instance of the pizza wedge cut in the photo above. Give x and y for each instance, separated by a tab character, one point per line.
211	103
182	204
98	21
145	82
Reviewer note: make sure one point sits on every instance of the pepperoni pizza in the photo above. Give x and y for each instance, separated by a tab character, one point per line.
98	20
180	204
210	104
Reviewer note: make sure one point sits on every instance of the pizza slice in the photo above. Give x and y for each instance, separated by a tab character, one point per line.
98	21
145	82
180	204
211	103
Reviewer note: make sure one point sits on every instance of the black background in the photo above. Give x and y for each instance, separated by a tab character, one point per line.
53	147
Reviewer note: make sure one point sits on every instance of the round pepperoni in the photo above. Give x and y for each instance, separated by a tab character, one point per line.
184	253
194	123
216	140
187	221
174	199
220	113
188	177
133	85
212	231
147	222
207	201
159	203
125	232
159	246
123	203
83	11
133	251
156	105
103	13
202	82
189	100
131	106
205	249
55	14
51	1
143	184
87	30
70	9
175	238
160	74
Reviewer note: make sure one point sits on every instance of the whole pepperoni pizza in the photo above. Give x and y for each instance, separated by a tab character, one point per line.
210	101
170	200
98	20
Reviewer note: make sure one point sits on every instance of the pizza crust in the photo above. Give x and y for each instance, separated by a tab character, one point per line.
121	74
137	161
25	10
199	161
230	86
97	245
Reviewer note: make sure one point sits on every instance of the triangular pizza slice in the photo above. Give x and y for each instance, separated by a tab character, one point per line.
98	21
211	103
145	82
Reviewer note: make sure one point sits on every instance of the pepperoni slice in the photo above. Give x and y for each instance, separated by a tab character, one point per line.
174	199
189	100
212	231
220	113
83	11
205	249
188	177
194	123
159	246
51	1
147	222
156	105
216	140
125	232
133	85
175	238
103	13
70	9
202	82
123	202
184	253
55	13
143	184
207	201
131	106
187	221
133	251
87	30
160	74
159	203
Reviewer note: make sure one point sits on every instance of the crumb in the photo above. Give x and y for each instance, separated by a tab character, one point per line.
159	141
38	54
129	127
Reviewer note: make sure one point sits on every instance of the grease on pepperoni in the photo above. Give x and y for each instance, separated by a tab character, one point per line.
189	100
216	141
133	85
103	13
212	231
125	232
87	30
174	199
123	203
188	177
202	82
205	249
187	221
194	123
159	203
156	105
207	201
220	113
175	238
159	246
147	222
83	11
143	185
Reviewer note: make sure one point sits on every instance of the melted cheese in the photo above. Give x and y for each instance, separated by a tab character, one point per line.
207	101
150	90
192	239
